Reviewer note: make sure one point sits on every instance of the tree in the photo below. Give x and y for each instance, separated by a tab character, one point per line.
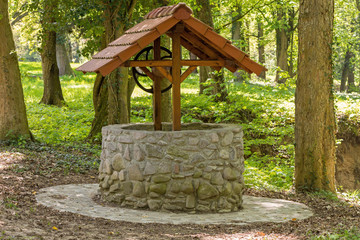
52	88
62	54
203	13
314	103
13	121
111	93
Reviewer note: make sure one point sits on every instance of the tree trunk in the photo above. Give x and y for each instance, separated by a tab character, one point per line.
52	89
261	47
345	72
291	32
282	44
13	121
62	56
314	102
111	93
204	14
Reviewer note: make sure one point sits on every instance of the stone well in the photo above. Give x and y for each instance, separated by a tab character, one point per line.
198	169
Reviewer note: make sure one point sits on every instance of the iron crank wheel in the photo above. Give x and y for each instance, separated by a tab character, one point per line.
141	79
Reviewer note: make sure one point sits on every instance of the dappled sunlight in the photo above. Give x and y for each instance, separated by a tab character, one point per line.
10	159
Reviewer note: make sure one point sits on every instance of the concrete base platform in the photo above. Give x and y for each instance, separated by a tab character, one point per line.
77	198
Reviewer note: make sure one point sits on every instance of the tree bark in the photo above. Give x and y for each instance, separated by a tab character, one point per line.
314	101
13	120
204	14
282	44
111	93
345	72
62	56
52	89
261	47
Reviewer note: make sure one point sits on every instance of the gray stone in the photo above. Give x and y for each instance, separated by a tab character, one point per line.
122	175
127	153
149	169
187	186
202	208
101	176
154	204
207	176
138	153
159	188
134	173
230	174
127	187
154	151
164	167
107	167
176	168
226	189
138	189
162	143
190	201
203	143
139	135
217	179
172	207
118	163
178	176
228	138
196	158
193	141
114	187
175	187
110	146
214	138
206	191
237	187
212	146
224	154
208	152
197	174
176	152
125	139
160	178
154	195
115	175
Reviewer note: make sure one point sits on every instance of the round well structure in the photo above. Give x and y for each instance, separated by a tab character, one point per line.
198	169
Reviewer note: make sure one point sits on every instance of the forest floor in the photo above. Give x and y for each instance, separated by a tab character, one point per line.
24	171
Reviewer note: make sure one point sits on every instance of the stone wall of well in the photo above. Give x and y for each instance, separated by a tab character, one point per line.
198	169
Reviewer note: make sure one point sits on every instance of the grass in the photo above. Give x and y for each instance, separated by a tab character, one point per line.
264	110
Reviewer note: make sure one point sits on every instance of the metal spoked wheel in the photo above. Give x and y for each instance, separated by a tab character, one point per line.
141	79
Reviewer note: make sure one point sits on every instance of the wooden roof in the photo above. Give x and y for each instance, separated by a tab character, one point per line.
197	37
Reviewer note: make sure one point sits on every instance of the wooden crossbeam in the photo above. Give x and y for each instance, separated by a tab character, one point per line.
148	73
164	73
187	72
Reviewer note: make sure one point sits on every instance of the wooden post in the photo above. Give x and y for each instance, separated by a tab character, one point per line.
157	88
176	77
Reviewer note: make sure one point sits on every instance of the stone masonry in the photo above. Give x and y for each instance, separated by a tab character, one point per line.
198	169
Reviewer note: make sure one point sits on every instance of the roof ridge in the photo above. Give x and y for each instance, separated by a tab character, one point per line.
167	11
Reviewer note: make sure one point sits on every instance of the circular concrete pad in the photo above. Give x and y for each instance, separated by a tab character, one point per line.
77	198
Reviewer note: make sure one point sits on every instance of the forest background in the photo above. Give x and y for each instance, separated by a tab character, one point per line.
267	30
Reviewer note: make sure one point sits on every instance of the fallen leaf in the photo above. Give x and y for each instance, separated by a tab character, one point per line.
54	228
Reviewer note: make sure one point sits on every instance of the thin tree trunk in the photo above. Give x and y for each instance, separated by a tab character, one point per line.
345	72
166	105
204	14
111	93
314	102
52	89
62	56
13	121
282	44
261	47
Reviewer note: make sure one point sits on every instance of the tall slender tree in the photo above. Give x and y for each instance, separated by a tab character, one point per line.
13	121
111	93
314	102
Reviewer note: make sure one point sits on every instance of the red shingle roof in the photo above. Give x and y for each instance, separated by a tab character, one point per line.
197	37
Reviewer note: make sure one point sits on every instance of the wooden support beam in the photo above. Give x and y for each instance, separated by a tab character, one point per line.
187	72
148	73
176	72
164	73
157	89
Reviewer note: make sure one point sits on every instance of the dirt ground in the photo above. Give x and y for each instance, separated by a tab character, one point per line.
23	172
